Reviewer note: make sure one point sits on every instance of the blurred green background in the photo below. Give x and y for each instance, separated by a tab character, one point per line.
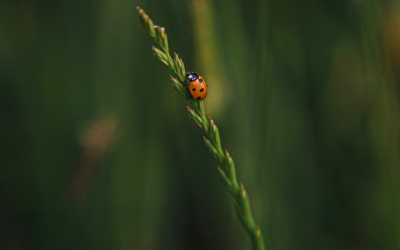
97	150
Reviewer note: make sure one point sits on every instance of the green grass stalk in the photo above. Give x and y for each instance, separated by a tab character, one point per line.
212	140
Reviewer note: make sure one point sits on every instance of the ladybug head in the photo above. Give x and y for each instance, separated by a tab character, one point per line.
192	76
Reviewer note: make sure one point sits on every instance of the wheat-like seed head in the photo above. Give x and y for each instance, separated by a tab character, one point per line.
212	140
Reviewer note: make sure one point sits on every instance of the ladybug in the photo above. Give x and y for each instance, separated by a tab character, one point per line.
198	86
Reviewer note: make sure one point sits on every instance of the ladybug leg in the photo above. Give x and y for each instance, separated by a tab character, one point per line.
190	97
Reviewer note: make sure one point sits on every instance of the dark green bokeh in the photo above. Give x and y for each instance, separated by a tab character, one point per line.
97	150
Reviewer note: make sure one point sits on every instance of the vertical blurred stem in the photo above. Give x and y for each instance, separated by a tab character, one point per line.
208	55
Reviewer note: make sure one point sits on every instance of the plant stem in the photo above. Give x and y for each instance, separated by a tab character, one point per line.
212	140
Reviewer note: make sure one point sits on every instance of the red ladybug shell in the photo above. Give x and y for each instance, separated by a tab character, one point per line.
198	88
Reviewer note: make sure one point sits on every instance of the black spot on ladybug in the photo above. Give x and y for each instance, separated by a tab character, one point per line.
194	89
200	80
198	98
201	90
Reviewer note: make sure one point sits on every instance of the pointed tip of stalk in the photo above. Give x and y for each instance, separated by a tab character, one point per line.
243	190
211	121
207	141
228	155
139	10
142	16
187	107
